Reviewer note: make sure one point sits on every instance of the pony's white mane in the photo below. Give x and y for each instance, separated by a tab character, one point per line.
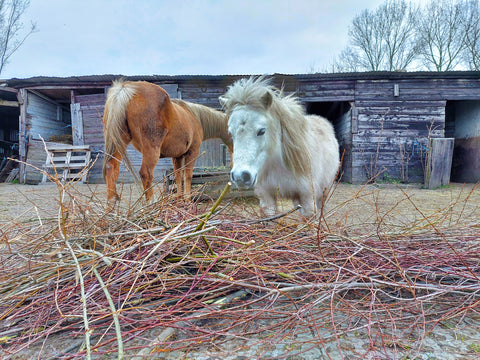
284	110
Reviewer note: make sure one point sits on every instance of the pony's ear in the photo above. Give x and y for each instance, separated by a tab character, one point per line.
266	100
223	101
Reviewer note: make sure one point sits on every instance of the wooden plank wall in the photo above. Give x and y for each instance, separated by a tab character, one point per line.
326	90
391	140
36	157
212	152
389	130
42	118
46	118
393	130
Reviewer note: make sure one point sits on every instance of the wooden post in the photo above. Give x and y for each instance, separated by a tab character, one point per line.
77	124
23	134
439	163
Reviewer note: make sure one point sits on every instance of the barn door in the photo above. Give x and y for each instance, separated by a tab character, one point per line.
439	163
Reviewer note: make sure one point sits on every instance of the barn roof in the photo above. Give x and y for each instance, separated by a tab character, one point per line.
89	80
59	88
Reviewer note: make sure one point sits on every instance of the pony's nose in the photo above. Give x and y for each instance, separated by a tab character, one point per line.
242	179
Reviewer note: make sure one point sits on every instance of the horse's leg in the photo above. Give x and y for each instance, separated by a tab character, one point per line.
268	202
308	204
149	161
178	173
111	176
190	158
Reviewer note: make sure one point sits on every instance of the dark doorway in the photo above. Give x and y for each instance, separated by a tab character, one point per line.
9	120
462	122
339	113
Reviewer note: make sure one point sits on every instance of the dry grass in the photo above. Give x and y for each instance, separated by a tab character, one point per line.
384	268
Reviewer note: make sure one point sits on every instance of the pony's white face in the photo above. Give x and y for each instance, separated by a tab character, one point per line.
249	130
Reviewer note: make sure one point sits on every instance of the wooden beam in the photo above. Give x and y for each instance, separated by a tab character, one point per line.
9	103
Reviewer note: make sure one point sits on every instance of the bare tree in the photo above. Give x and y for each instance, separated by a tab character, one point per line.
367	40
471	24
383	39
442	33
347	61
398	23
11	28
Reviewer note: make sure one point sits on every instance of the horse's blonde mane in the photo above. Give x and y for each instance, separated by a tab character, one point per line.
214	122
285	111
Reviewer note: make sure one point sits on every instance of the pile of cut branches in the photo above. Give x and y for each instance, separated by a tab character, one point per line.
166	277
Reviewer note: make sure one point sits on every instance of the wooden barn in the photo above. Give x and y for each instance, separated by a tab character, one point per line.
385	121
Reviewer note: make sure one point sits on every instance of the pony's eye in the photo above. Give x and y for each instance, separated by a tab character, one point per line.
261	132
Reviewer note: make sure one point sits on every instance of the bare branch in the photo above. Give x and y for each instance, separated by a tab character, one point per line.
11	28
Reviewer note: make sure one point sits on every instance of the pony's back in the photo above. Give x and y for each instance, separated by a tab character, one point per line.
324	150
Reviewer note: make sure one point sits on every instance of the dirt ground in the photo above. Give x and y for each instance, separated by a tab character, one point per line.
396	205
356	203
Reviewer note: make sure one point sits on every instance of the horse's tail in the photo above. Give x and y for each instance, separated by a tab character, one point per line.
115	121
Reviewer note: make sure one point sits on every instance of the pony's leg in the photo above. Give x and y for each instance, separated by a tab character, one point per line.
268	202
111	176
178	172
149	161
308	205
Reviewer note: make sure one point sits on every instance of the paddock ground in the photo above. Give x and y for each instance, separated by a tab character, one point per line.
395	206
348	203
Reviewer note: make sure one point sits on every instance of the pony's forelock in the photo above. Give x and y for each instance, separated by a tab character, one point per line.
247	91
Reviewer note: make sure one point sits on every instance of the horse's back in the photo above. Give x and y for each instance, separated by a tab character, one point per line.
325	150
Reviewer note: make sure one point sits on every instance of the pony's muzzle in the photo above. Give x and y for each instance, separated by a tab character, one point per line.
243	179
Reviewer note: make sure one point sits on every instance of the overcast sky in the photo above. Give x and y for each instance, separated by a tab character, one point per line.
183	37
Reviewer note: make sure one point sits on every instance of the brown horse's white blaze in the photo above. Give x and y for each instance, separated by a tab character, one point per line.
142	113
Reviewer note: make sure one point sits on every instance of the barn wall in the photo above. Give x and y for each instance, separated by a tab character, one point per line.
393	128
391	121
326	90
42	118
45	118
212	152
384	135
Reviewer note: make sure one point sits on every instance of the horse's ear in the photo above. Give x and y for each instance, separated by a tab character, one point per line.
267	100
223	101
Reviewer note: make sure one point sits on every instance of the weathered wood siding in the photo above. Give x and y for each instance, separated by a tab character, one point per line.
385	135
390	123
326	90
212	152
36	159
43	119
390	142
393	129
46	118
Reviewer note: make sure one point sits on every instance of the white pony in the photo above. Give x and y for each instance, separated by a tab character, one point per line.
277	148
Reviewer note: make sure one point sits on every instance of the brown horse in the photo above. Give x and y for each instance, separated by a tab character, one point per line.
143	114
